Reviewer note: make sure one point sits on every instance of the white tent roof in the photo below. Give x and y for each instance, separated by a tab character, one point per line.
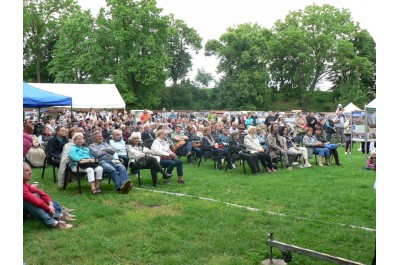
351	107
85	96
372	104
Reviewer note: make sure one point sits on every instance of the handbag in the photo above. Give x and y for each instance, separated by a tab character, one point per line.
141	162
196	144
86	163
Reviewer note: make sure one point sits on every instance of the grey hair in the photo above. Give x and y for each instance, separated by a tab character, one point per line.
94	134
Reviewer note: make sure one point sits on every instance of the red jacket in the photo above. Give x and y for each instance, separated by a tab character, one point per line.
42	202
27	142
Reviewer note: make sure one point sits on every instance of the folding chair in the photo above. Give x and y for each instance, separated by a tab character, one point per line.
52	161
77	174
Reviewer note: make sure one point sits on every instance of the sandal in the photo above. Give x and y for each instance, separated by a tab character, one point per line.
95	192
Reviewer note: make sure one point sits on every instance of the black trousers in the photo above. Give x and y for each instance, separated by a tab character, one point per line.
265	160
153	165
252	160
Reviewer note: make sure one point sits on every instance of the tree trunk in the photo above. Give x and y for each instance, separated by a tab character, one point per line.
38	65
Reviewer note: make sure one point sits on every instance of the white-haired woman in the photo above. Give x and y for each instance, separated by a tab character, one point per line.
79	152
253	146
141	157
166	157
119	145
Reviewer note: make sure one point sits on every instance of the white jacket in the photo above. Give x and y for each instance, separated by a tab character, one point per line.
160	148
137	152
252	144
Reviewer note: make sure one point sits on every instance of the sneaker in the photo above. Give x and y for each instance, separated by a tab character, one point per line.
300	166
126	185
62	225
307	165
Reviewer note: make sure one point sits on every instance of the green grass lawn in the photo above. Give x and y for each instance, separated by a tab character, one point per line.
320	208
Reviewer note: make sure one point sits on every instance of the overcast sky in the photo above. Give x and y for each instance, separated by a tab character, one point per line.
211	18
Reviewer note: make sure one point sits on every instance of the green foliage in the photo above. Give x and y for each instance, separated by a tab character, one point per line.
186	96
312	45
181	41
41	22
134	46
352	91
146	227
77	55
203	78
244	82
139	32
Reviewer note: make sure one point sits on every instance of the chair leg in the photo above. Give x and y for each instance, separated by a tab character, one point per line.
54	174
79	183
44	166
140	181
281	160
66	179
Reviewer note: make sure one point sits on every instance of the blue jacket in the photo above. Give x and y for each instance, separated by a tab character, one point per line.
76	153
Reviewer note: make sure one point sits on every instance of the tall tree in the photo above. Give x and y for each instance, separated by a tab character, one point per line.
312	45
77	55
41	20
182	41
139	34
361	69
242	64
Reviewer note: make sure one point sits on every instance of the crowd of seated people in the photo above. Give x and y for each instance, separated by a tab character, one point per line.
186	134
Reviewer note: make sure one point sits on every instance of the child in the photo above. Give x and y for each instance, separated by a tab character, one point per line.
372	161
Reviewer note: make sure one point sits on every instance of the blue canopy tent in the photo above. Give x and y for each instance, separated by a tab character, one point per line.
37	98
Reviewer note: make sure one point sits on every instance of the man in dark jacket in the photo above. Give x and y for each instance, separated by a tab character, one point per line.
56	144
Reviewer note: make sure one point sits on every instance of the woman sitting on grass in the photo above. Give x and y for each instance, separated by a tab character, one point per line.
79	152
41	206
315	147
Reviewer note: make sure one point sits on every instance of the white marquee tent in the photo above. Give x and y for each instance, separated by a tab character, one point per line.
85	96
371	105
350	108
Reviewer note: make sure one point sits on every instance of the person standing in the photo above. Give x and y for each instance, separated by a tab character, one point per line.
339	121
145	117
311	120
